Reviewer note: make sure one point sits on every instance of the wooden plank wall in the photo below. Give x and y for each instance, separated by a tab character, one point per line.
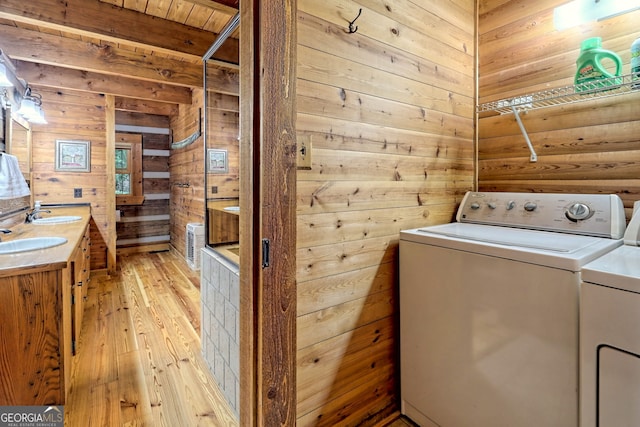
73	115
590	147
390	112
186	166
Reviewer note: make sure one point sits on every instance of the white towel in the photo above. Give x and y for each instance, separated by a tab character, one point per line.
12	183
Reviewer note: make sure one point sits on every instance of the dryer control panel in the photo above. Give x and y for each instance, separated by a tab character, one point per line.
586	214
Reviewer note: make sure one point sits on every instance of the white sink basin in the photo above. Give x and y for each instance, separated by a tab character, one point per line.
232	208
30	244
57	219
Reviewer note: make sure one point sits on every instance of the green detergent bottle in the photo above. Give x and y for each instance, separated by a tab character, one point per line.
591	74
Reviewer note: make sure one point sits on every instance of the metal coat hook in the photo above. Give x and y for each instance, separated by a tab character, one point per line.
352	28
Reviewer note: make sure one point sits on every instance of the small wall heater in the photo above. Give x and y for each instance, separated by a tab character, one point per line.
194	242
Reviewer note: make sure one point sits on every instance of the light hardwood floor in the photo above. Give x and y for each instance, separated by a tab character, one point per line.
139	360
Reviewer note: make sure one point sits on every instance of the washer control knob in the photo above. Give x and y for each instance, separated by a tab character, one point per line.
510	205
475	206
530	206
491	205
578	211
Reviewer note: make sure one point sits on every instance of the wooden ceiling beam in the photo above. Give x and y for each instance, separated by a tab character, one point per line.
92	18
145	106
33	46
66	78
226	6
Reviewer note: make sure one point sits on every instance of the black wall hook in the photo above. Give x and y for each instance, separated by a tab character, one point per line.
354	28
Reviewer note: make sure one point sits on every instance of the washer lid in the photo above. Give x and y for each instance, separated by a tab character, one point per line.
559	250
619	269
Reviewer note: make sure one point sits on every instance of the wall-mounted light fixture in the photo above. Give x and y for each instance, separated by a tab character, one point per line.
31	107
19	93
578	12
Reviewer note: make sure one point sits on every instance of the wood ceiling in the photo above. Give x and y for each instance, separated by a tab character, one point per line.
145	49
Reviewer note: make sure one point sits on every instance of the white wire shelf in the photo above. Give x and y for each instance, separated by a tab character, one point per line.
603	88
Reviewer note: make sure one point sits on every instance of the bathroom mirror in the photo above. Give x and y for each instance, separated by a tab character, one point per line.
222	168
17	142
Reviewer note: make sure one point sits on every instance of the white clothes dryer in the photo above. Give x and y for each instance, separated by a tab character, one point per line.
489	308
610	335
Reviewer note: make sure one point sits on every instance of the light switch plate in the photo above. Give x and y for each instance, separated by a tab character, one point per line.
303	158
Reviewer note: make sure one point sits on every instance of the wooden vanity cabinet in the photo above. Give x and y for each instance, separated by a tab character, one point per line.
80	272
37	328
32	345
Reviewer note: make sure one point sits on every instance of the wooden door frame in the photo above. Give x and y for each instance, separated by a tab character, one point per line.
268	211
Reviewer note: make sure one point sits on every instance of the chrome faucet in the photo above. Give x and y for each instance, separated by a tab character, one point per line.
35	213
4	231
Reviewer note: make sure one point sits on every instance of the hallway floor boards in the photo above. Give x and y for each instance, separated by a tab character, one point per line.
139	360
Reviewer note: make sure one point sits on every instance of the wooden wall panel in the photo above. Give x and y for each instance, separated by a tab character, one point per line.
588	147
390	113
143	229
76	116
186	167
139	118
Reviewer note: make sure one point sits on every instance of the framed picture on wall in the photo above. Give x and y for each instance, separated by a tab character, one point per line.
217	161
73	156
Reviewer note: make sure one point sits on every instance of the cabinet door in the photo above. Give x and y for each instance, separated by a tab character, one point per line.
86	267
81	262
76	299
33	373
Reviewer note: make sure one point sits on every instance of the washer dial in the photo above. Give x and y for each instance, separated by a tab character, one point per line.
578	212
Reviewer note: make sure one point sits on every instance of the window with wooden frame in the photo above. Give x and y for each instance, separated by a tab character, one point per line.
128	173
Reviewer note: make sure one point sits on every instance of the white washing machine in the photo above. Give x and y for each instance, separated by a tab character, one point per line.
489	308
610	335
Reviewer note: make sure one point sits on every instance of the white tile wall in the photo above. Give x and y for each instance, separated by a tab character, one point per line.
220	336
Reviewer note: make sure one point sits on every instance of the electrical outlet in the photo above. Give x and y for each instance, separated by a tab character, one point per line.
77	193
303	157
214	189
